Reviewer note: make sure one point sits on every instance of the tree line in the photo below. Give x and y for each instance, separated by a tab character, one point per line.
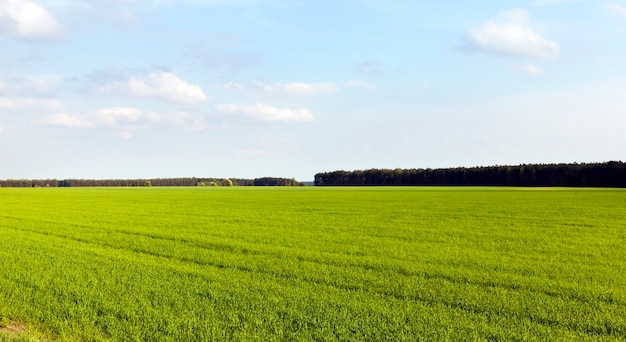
192	181
607	174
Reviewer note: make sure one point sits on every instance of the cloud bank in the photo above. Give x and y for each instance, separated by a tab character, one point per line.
164	86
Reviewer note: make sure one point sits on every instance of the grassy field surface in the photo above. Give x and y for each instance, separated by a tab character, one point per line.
265	264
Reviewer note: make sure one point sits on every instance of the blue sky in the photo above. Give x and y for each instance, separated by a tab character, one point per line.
252	88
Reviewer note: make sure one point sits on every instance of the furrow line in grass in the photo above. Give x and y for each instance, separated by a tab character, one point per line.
609	329
193	243
274	249
386	268
280	252
571	294
383	269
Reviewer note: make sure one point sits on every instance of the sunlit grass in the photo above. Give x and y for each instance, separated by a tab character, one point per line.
314	263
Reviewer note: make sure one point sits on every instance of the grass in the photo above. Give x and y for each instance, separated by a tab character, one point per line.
313	264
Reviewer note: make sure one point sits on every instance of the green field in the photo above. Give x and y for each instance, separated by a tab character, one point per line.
265	264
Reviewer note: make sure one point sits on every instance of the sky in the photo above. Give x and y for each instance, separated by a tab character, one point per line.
103	89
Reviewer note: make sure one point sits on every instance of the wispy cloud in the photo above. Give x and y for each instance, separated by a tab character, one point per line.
297	88
25	86
66	120
26	20
375	67
26	103
512	34
360	84
124	117
159	85
370	67
115	12
122	121
264	112
185	120
290	88
617	9
224	57
552	2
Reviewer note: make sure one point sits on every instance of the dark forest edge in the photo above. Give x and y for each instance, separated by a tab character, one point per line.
192	181
607	174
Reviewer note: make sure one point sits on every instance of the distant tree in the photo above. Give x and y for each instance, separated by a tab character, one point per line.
148	183
228	182
608	174
273	181
212	184
201	184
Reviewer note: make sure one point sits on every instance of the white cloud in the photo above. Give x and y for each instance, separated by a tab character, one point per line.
308	88
118	117
66	120
7	104
24	103
26	20
360	84
124	121
617	9
292	88
231	85
512	34
160	85
263	112
297	88
113	117
27	86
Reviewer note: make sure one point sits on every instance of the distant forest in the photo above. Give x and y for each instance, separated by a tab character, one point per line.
608	174
193	181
